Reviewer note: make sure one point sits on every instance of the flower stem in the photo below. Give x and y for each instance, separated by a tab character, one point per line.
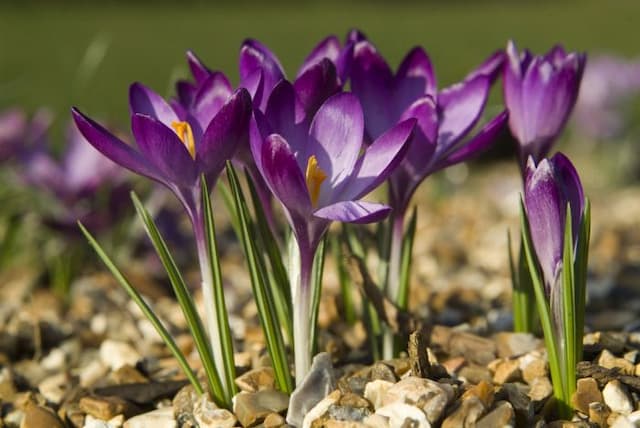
210	309
301	292
393	277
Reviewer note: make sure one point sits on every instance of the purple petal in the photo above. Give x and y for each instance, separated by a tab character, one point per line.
379	160
372	82
480	142
414	79
164	150
328	48
359	212
254	56
546	211
13	125
212	94
284	177
113	148
284	115
569	180
199	71
512	92
143	100
336	136
316	84
491	67
461	106
226	133
186	93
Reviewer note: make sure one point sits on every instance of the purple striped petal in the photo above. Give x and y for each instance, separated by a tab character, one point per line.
143	100
316	84
491	67
254	56
199	71
512	92
212	94
569	180
328	48
358	212
414	79
335	138
186	93
225	134
284	114
164	150
114	148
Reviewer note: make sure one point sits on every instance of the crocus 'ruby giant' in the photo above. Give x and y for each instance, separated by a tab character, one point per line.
549	187
319	172
540	92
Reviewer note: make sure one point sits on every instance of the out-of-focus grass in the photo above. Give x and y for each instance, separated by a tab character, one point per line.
42	46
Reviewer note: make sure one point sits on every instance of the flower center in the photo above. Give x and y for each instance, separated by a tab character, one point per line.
183	129
314	176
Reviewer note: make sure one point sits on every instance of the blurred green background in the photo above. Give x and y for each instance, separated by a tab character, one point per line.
58	54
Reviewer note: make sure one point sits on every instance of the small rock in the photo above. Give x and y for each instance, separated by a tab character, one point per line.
105	408
609	361
7	385
376	421
252	407
452	365
318	383
183	405
458	343
375	392
622	421
587	392
513	344
382	371
533	366
432	396
466	415
598	413
273	420
91	422
54	387
502	416
352	400
617	398
55	360
541	389
403	415
116	354
40	417
320	408
208	415
160	418
257	380
506	371
521	403
92	372
597	341
632	356
475	374
483	391
128	374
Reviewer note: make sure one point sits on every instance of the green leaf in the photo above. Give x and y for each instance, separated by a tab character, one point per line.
218	289
346	288
405	264
227	198
186	304
316	290
568	309
146	310
523	295
580	276
261	291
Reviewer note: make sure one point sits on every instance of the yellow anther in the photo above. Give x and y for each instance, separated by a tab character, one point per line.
183	129
314	177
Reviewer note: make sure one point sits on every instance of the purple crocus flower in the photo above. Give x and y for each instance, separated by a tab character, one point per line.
540	92
549	187
319	172
18	134
177	144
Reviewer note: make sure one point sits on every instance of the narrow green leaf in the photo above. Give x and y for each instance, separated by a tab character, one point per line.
146	310
523	294
221	311
568	309
261	291
227	198
346	289
280	280
580	276
405	264
545	314
186	304
316	290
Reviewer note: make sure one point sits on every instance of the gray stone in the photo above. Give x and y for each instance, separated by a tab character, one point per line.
617	398
160	418
252	407
318	383
502	416
432	396
403	415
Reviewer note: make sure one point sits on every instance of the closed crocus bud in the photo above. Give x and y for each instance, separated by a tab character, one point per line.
550	186
540	92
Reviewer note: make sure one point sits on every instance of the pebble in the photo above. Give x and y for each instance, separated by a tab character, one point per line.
92	372
54	387
115	354
533	365
160	418
105	408
617	398
466	415
375	391
587	392
257	380
91	422
505	371
541	389
318	383
401	414
432	396
252	407
40	417
610	361
514	344
599	413
502	416
320	409
208	415
273	420
56	359
483	391
597	341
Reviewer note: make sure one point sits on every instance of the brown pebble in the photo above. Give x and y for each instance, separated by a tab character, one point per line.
40	417
587	392
106	408
273	420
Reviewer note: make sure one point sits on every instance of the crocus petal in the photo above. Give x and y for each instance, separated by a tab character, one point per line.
284	177
379	160
255	56
143	100
512	91
227	132
372	81
114	148
461	106
546	211
335	138
491	67
422	146
327	48
214	91
186	93
569	180
480	142
199	71
164	150
359	212
284	114
415	78
316	84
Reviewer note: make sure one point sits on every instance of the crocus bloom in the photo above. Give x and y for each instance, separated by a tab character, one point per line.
18	134
444	117
540	92
319	172
609	84
549	187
